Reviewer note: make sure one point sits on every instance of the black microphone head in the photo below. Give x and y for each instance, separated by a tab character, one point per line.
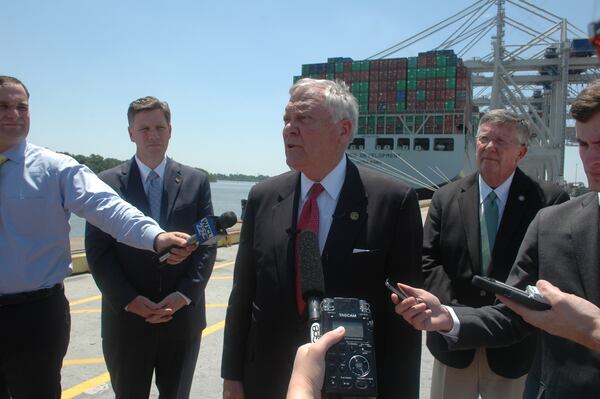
312	281
226	220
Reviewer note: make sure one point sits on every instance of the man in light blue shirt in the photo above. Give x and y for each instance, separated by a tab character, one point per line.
38	191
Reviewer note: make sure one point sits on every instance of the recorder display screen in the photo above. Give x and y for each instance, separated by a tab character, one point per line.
354	329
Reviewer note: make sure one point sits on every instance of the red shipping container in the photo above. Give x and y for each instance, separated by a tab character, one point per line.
431	84
439	105
440	83
450	94
422	84
421	61
348	66
411	106
402	63
461	83
373	108
364	75
411	96
461	72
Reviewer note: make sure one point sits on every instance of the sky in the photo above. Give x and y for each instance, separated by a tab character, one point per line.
225	68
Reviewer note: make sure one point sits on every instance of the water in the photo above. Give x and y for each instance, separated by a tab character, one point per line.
226	196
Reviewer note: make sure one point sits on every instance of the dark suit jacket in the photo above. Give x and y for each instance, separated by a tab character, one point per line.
122	272
451	257
263	329
561	246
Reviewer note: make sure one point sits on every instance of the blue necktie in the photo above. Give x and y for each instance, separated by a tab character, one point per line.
488	223
154	195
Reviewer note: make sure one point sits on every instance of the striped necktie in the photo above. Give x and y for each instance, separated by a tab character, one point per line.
154	195
489	227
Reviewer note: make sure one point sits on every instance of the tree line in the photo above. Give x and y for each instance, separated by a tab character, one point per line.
98	163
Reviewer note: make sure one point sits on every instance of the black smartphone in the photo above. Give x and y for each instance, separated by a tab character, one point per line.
393	286
530	298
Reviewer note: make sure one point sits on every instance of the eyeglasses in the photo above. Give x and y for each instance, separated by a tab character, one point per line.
498	141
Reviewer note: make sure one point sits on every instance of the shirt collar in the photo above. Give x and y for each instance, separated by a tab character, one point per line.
145	170
501	191
332	183
16	153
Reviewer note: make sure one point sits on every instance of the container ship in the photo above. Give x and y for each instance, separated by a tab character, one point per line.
416	117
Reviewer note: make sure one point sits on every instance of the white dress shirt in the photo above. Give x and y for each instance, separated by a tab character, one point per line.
327	200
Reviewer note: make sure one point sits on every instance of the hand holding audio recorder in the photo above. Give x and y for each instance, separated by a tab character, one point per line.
530	297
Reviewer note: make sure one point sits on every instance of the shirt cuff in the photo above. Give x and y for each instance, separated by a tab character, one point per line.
185	298
452	335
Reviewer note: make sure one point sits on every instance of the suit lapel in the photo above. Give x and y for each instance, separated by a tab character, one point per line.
349	216
172	183
133	189
468	204
584	227
283	225
518	201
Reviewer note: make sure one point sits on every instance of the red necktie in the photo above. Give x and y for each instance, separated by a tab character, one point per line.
309	220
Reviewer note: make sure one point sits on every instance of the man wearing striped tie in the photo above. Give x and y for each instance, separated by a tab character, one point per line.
474	227
152	316
38	191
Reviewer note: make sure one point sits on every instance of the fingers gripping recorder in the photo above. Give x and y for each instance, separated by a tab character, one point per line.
208	231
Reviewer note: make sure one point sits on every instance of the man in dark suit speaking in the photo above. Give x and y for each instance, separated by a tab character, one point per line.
561	247
152	316
368	226
458	243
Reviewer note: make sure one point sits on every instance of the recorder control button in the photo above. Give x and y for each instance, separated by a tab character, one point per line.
359	365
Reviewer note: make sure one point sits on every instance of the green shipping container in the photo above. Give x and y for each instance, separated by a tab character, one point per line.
440	60
430	73
422	73
411	74
449	105
440	72
401	85
400	107
451	72
421	95
363	108
339	67
412	62
330	76
451	83
356	65
305	70
411	85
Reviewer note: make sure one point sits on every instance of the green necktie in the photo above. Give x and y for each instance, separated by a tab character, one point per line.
2	159
488	223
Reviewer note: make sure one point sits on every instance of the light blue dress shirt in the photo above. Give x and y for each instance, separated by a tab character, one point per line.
38	191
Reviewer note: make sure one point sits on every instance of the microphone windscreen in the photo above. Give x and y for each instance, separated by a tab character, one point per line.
227	219
312	281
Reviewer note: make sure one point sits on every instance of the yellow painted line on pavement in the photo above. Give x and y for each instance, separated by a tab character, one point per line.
216	305
91	360
221	277
105	377
79	311
222	265
84	386
85	300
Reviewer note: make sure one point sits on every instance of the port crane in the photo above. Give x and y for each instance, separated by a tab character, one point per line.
534	72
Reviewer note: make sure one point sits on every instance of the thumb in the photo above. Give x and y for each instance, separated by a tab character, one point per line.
411	291
547	289
329	339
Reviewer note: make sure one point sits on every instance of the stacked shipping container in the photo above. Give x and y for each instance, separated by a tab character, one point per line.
433	88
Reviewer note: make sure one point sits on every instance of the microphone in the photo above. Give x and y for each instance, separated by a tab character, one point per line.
208	231
312	281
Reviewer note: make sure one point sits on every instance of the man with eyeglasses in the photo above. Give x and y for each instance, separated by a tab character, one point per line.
474	227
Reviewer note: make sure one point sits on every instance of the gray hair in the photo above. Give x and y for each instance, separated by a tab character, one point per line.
338	99
504	117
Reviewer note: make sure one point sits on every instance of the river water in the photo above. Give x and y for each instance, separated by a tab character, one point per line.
226	196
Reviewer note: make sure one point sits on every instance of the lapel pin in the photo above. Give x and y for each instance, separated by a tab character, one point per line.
354	216
521	198
178	180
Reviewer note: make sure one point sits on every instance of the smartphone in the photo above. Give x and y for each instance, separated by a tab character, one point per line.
393	286
530	298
